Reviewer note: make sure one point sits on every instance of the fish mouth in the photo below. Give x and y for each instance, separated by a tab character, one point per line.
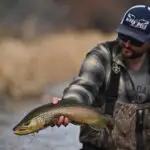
21	130
15	128
20	133
24	130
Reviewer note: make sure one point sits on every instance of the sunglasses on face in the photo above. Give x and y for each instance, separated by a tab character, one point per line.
133	41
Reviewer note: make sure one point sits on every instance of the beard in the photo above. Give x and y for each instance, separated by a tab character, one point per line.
132	53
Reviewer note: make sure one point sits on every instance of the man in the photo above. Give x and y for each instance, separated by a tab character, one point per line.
115	72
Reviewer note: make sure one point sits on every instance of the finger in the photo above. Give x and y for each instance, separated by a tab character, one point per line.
58	98
66	121
55	100
57	122
60	120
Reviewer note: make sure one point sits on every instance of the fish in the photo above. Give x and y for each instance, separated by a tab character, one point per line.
46	115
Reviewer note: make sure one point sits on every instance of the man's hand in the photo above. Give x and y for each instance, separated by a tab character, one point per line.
61	120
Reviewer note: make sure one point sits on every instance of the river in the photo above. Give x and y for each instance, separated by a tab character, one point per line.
52	138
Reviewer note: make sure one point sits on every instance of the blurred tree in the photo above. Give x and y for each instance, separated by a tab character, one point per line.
19	16
6	5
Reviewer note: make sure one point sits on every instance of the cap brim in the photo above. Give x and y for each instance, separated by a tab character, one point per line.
132	33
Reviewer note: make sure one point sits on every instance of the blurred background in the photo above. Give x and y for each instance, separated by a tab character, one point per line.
42	44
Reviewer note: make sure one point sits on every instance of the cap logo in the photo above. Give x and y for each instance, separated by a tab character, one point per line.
136	23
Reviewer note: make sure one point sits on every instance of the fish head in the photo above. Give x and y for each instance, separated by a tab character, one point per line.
27	126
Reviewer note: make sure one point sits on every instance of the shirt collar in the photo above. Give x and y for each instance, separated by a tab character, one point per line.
117	57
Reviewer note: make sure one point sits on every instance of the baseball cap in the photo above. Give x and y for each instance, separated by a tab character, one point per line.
135	23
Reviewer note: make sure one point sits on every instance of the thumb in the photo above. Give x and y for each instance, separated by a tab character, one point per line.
55	100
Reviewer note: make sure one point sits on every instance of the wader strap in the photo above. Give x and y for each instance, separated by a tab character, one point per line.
140	119
111	93
139	130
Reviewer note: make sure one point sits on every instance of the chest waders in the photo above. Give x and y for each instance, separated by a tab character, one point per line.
111	95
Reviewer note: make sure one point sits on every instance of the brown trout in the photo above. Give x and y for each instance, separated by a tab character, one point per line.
46	115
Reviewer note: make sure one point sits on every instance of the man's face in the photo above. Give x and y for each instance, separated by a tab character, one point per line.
132	48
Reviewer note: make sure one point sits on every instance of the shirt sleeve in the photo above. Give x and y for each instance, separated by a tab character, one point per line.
92	76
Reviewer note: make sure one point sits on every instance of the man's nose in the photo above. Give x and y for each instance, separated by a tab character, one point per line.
127	43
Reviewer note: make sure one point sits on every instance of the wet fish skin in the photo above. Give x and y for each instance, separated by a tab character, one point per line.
46	115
